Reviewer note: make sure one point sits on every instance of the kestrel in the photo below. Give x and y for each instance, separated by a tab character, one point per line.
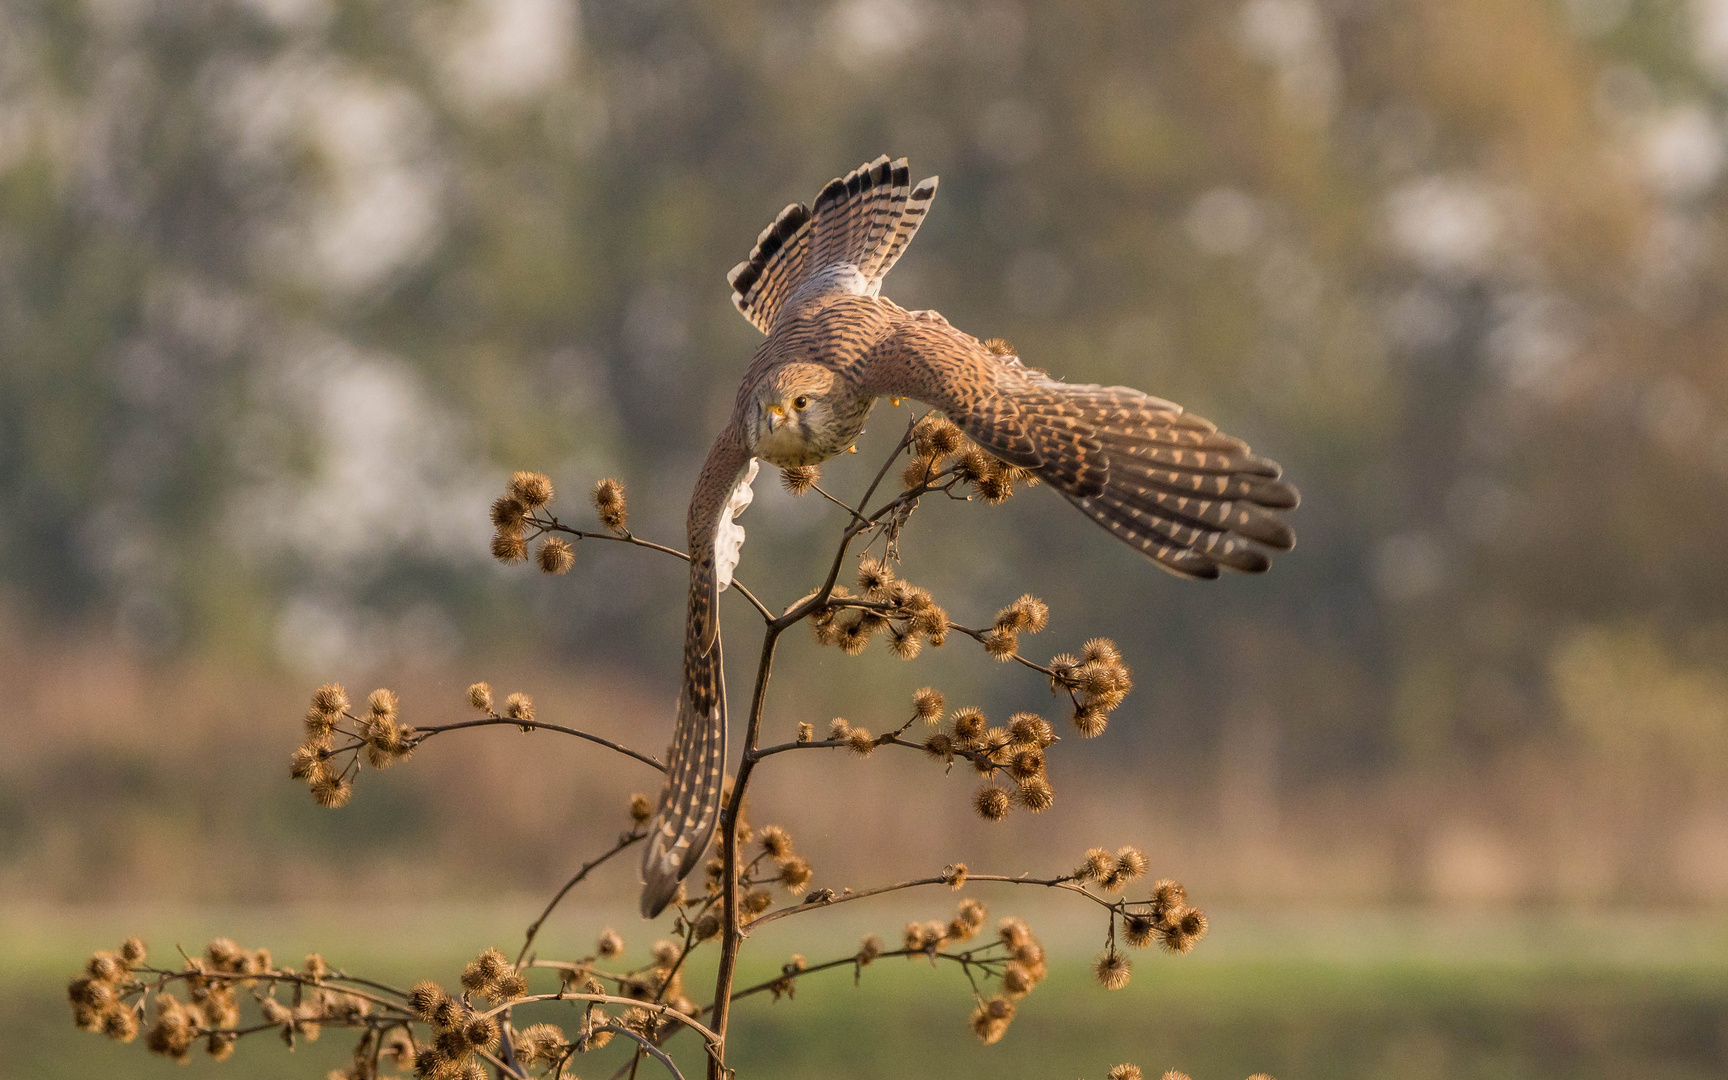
1162	480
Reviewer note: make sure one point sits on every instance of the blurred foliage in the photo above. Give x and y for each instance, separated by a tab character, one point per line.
286	286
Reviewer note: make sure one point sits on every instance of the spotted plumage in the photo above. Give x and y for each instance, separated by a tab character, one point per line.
1162	480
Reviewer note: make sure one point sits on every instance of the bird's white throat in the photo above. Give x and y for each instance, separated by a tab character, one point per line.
787	445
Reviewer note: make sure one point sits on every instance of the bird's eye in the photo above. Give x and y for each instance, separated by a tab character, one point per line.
800	402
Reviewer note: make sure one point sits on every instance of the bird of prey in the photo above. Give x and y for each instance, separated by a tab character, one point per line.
1163	480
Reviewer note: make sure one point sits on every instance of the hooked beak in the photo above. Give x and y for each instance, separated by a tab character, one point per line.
776	416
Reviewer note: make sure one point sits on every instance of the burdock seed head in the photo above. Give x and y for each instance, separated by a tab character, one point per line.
799	479
905	643
332	792
927	704
1026	764
1111	969
509	549
991	802
1090	721
519	706
795	875
330	700
509	516
1183	933
531	489
556	556
1140	930
874	575
940	747
1001	644
1031	730
775	841
1099	864
609	502
425	998
969	726
1035	794
1131	863
1101	649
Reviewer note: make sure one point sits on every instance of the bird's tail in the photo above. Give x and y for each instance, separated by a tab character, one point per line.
695	777
858	230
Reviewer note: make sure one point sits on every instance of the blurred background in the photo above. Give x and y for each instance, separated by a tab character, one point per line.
288	287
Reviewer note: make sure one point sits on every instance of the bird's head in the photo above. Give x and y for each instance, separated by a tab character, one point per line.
790	412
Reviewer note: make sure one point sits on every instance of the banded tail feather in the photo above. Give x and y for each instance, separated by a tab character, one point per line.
695	775
689	807
761	283
858	229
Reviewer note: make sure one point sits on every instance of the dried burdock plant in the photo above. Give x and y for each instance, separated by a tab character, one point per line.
525	1015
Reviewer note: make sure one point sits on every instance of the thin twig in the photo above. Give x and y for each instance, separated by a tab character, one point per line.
503	1068
167	976
979	635
623	842
820	597
963	958
357	980
553	525
690	944
1064	882
892	739
841	503
608	999
647	1044
889	606
494	721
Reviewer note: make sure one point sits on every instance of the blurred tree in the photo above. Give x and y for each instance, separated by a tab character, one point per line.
286	285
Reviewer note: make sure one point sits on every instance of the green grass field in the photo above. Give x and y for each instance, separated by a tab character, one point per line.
1342	996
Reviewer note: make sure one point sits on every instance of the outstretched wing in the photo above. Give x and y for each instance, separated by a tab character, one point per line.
848	243
695	772
1162	480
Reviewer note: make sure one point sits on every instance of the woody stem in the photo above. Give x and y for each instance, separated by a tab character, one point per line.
730	938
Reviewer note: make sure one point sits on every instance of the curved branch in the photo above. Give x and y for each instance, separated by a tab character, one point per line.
623	842
420	735
1065	882
964	958
343	976
898	611
646	1044
165	976
552	525
503	1067
605	999
979	635
841	503
891	739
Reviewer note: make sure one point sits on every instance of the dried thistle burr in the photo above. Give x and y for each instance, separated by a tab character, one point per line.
610	504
